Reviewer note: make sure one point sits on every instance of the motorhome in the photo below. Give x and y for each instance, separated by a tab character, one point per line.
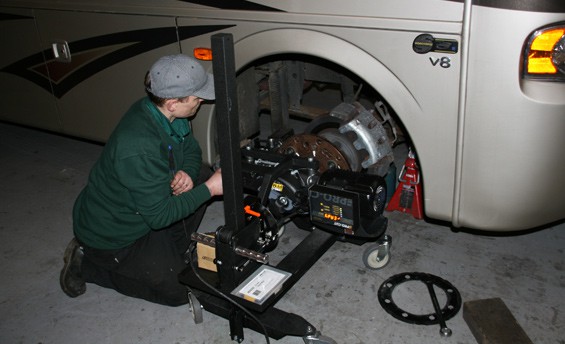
476	87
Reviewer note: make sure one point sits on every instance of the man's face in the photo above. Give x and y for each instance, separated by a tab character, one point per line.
187	107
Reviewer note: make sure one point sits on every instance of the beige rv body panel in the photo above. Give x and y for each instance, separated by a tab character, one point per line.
487	141
513	138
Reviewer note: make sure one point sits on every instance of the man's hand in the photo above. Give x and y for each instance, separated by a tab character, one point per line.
181	183
214	184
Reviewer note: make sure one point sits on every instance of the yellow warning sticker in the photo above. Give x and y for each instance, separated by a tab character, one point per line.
277	186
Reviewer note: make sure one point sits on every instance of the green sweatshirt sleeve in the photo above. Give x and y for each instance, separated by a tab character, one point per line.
148	183
192	157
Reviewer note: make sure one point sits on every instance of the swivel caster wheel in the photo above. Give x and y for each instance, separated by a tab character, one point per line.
377	256
195	308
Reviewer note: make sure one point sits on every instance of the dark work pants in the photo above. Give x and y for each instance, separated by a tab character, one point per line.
148	269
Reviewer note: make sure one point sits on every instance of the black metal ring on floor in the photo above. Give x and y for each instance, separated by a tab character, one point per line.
452	305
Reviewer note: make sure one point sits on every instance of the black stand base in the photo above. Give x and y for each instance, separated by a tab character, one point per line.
276	322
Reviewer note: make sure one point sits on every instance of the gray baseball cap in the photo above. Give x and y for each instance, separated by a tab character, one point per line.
179	76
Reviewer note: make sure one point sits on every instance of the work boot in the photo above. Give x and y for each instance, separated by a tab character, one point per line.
71	279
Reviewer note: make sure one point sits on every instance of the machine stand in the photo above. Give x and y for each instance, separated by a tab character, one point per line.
241	245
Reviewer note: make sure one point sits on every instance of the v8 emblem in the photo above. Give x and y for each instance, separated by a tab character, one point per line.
444	62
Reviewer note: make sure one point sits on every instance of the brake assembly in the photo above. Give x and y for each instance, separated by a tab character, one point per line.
288	187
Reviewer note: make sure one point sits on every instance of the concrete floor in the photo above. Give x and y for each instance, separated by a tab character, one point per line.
41	174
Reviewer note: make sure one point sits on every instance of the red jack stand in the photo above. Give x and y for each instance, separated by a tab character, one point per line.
408	195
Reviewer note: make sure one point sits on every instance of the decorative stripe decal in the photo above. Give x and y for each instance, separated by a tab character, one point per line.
551	6
92	55
234	5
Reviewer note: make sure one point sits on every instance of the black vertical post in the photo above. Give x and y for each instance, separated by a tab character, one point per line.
227	123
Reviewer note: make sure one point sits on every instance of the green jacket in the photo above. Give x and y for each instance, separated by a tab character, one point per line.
128	191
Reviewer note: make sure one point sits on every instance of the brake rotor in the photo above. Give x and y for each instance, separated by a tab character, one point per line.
317	147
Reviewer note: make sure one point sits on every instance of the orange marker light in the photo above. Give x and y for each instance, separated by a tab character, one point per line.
204	54
540	57
547	40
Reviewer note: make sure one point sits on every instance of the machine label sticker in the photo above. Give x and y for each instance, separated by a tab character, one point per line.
263	283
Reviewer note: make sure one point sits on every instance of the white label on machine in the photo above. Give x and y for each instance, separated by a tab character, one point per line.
263	283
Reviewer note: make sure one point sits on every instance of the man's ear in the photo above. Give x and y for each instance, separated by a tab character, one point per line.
171	105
